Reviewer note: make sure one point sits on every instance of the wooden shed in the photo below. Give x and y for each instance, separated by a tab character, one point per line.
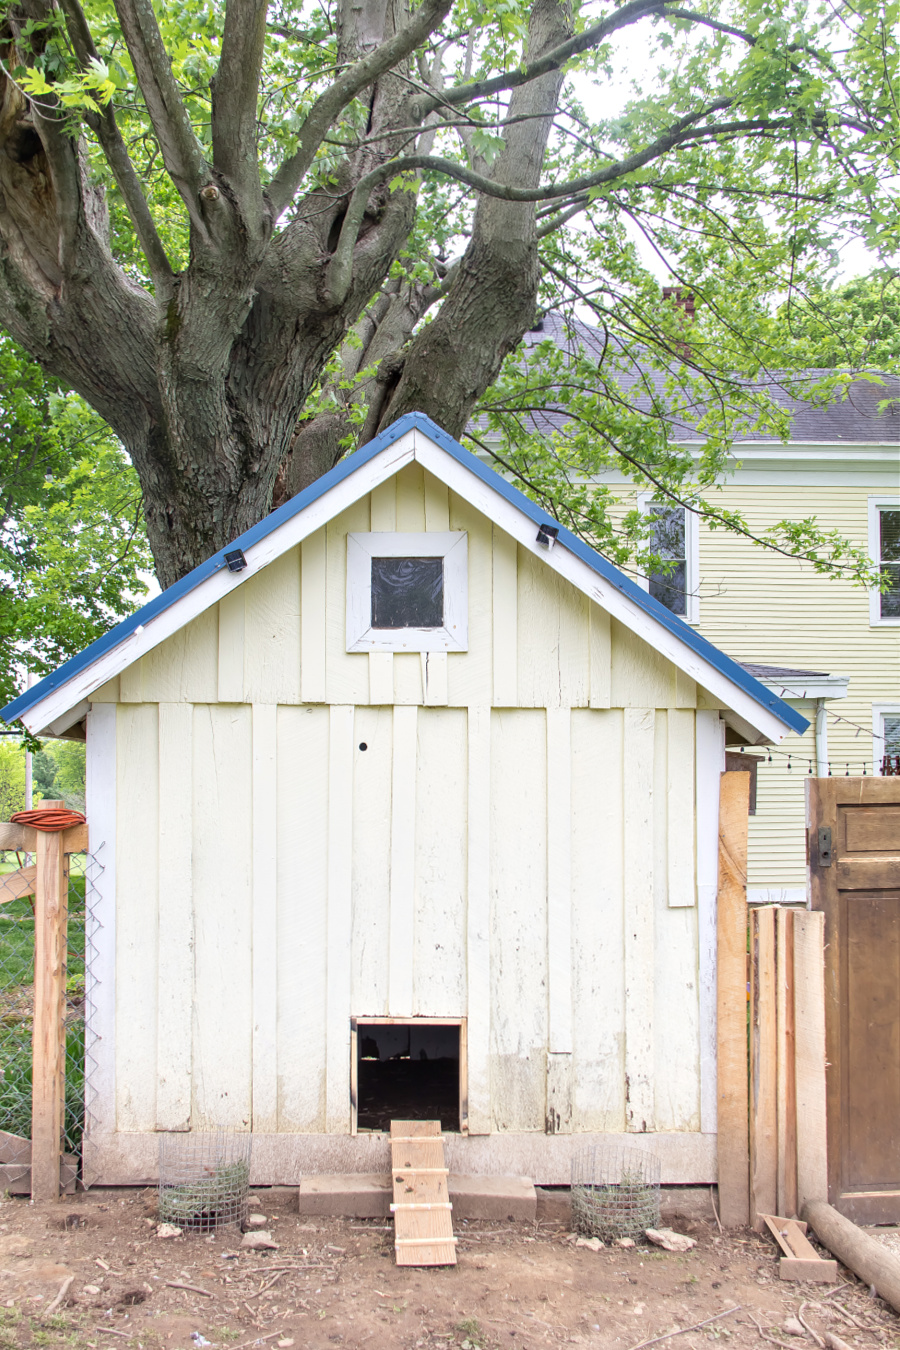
406	803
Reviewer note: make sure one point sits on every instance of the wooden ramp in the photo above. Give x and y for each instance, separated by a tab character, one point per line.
423	1228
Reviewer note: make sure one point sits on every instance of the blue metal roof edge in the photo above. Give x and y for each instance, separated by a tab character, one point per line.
415	420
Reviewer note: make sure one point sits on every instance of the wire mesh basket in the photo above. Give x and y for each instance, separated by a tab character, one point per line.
615	1191
204	1179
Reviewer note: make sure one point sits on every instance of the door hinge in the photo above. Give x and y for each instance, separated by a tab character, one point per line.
824	846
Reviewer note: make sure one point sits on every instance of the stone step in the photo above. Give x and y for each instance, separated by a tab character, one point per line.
367	1195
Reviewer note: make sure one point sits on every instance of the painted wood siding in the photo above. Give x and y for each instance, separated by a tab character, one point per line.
307	835
761	607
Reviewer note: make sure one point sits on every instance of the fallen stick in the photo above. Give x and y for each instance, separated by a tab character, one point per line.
111	1331
681	1330
63	1290
257	1340
767	1335
194	1288
803	1322
867	1258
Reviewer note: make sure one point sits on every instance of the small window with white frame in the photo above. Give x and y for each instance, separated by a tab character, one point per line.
407	592
673	537
886	738
884	548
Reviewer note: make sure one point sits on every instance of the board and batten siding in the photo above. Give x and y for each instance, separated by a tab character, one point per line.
506	835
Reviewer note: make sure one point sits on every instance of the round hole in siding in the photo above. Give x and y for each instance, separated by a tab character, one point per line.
363	746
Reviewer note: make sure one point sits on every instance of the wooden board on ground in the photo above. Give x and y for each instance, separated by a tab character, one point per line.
423	1226
801	1261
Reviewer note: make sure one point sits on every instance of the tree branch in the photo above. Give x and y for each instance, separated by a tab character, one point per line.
107	132
582	42
235	88
181	151
340	268
345	88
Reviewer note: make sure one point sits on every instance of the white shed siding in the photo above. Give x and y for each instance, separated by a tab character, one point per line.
514	845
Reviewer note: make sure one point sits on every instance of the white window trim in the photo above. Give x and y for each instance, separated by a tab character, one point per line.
453	547
692	558
879	711
876	506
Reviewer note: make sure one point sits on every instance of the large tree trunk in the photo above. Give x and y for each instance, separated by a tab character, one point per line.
206	380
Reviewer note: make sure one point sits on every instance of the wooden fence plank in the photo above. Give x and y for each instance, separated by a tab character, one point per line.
763	1091
785	1050
48	1068
809	1017
731	1001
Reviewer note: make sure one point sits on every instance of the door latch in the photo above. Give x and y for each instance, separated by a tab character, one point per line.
824	846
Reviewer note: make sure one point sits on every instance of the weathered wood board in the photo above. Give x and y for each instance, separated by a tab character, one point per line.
423	1227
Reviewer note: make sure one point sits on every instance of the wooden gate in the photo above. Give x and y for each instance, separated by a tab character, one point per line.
854	865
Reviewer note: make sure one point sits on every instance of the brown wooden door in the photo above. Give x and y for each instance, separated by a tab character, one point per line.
855	879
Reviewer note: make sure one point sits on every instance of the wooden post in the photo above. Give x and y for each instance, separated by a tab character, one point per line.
763	1068
809	996
785	1067
731	1001
49	1028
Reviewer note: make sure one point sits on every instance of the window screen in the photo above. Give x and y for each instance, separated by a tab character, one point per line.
667	540
891	725
890	563
407	592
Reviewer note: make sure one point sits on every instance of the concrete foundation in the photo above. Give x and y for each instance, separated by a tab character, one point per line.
368	1195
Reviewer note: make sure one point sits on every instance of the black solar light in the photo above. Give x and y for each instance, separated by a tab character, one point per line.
547	535
235	560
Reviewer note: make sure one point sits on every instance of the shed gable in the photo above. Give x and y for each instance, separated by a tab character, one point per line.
535	639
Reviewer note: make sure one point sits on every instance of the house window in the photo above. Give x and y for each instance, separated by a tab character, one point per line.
886	738
673	537
884	547
407	592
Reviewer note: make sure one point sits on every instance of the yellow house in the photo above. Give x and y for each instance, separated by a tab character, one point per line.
829	648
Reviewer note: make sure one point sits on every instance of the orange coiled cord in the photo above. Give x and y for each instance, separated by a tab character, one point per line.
50	820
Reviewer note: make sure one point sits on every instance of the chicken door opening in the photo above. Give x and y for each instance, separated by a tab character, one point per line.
406	1072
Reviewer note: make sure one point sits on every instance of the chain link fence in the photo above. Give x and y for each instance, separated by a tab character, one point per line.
17	1013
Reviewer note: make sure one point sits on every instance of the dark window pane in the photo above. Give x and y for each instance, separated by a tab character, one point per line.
667	533
669	588
890	536
891	735
407	592
667	541
890	599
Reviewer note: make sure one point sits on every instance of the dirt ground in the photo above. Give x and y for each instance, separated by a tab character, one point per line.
333	1283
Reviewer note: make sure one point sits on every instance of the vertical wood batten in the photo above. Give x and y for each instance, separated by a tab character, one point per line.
733	1142
222	874
763	1095
680	807
381	678
786	1087
265	918
410	486
600	656
437	504
176	919
469	673
302	897
639	918
478	910
231	647
505	617
709	762
434	679
383	501
48	1079
403	862
809	1032
312	618
100	919
559	878
340	853
137	891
